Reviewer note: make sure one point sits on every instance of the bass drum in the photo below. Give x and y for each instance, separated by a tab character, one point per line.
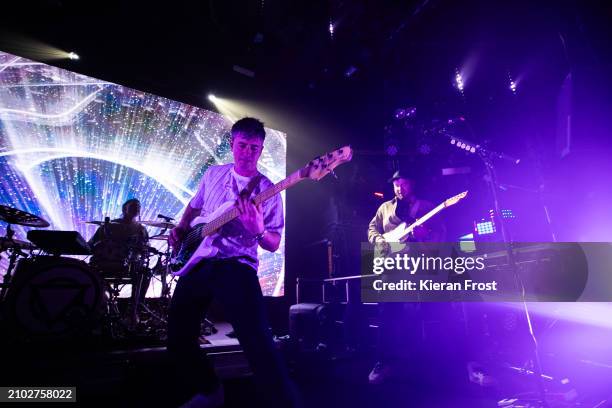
54	298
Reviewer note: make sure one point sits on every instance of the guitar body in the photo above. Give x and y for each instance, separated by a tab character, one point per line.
398	233
395	237
196	247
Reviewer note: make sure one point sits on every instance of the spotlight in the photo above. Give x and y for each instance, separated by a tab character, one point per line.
461	144
400	114
459	81
379	194
350	71
73	56
212	97
405	113
331	29
513	86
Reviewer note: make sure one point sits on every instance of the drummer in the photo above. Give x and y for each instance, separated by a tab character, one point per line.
129	211
115	243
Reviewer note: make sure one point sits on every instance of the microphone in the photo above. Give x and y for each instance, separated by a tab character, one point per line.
165	217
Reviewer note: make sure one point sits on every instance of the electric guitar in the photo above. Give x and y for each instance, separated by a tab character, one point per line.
402	231
198	242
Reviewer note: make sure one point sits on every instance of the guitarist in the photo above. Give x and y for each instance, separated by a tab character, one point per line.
231	276
393	343
404	207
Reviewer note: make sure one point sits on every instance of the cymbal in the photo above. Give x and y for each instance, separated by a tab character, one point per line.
19	217
95	222
158	224
160	237
6	243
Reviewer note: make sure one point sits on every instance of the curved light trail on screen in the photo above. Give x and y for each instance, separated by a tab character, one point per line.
62	153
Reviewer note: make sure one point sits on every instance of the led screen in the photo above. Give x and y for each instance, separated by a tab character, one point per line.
74	148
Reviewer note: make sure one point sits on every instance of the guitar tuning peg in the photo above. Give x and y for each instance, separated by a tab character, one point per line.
333	173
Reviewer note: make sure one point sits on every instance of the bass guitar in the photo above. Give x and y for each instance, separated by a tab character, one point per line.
198	242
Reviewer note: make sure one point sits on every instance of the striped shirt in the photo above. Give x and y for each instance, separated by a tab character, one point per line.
221	184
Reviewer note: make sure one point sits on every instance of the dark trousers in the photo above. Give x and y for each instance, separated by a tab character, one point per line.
399	331
236	287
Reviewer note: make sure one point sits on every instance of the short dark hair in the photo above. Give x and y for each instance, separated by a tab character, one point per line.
128	202
249	127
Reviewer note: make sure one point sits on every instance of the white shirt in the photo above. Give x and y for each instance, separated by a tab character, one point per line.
221	184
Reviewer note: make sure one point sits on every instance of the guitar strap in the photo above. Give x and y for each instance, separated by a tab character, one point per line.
248	190
414	210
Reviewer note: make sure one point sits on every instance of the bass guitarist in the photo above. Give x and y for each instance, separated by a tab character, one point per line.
230	276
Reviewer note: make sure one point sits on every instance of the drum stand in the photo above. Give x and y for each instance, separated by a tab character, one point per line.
14	253
115	325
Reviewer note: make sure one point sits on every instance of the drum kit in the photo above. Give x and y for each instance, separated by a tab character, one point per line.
56	286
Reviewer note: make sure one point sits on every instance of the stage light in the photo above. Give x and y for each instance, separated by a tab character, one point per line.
212	98
512	84
379	194
506	213
350	71
473	149
484	228
392	149
459	81
453	141
73	56
405	113
331	29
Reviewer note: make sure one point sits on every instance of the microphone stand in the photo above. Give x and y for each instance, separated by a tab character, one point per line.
6	281
488	157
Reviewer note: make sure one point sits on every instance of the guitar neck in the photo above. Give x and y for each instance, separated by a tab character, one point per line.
265	195
427	216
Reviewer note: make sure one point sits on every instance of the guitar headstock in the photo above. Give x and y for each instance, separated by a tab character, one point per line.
455	199
321	166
